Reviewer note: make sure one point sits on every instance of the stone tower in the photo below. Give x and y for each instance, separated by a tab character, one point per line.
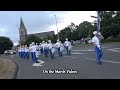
22	32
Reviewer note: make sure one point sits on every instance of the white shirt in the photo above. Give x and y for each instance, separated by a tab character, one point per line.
37	47
58	44
67	43
96	41
45	46
22	49
50	45
26	50
33	48
19	49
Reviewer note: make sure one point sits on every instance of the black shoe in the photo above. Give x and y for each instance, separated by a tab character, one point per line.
100	63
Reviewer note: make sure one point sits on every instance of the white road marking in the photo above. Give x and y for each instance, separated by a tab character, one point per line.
116	48
75	53
103	60
84	50
113	50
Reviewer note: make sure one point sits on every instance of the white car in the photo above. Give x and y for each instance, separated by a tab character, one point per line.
9	52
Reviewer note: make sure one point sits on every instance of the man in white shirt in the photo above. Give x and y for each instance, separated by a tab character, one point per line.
37	47
50	46
34	58
68	46
58	45
45	49
22	51
96	43
42	51
26	52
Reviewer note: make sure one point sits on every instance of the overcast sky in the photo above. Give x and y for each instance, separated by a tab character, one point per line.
39	21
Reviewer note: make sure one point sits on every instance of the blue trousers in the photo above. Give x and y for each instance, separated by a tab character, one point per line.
26	55
46	53
19	54
68	51
22	54
41	50
34	58
59	52
51	54
99	53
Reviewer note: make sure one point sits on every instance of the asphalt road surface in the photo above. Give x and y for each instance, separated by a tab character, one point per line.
80	65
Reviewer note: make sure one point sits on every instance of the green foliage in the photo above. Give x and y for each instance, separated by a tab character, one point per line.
110	23
31	39
5	44
111	40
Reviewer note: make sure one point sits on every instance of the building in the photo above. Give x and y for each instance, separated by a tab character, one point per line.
23	33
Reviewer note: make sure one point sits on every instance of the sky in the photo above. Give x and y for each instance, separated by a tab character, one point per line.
40	21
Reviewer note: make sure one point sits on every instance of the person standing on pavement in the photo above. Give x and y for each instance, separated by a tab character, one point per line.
50	46
68	46
96	43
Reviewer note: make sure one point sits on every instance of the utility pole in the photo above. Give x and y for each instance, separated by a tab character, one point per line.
56	26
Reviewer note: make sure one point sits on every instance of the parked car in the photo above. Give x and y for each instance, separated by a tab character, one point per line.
10	52
88	40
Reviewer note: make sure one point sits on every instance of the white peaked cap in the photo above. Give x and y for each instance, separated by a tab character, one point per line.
49	40
66	39
43	41
58	40
95	32
33	42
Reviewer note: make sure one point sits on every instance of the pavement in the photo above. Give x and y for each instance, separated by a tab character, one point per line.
80	65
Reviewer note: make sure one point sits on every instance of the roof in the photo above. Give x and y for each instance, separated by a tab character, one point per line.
43	34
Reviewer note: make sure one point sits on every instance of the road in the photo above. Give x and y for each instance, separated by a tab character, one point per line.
82	62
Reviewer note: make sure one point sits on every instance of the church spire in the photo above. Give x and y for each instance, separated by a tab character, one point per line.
22	31
22	23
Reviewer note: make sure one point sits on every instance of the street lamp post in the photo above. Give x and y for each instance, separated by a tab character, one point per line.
56	26
98	20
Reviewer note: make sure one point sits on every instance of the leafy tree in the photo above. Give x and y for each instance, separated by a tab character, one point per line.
5	44
32	38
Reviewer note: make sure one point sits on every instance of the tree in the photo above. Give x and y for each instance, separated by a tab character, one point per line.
32	38
5	44
110	23
85	30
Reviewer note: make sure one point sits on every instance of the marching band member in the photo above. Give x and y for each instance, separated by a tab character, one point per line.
45	48
26	52
68	46
96	43
50	46
22	51
58	45
34	58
